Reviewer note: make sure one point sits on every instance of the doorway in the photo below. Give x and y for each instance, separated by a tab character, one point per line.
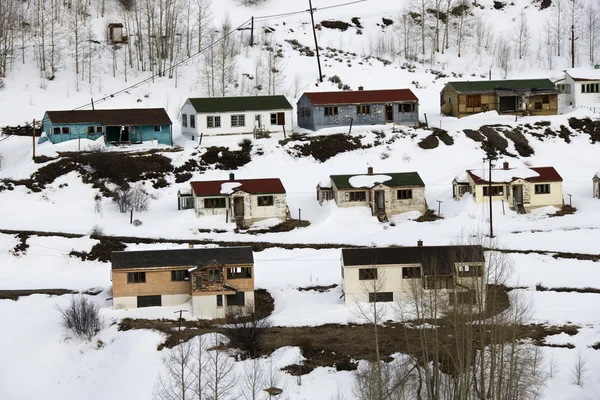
238	207
149	301
518	194
389	113
508	103
257	121
380	200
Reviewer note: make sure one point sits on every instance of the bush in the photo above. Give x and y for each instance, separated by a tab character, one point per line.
246	145
341	25
246	330
82	317
131	198
97	230
430	142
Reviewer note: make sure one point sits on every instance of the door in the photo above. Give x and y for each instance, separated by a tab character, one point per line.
124	134
280	118
508	103
389	113
238	206
149	301
257	121
518	194
380	200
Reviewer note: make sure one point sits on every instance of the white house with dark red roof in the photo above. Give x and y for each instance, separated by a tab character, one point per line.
523	188
244	201
317	110
582	86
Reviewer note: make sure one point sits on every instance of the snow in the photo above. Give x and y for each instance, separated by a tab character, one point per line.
505	175
362	181
127	364
227	187
584	73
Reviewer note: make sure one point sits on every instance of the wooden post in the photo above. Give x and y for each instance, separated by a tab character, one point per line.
503	212
350	130
226	216
200	142
33	137
490	195
131	217
284	135
299	216
252	31
426	123
312	19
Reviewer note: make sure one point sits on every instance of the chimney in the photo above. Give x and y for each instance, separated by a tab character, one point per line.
231	176
370	170
360	88
505	165
419	243
190	245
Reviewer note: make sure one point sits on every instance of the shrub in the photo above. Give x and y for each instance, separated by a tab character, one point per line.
341	25
131	198
82	317
97	230
430	142
246	145
246	330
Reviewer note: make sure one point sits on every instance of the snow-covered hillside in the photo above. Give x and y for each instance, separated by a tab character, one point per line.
41	361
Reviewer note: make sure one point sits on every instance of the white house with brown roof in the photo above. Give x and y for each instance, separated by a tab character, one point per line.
317	110
212	278
583	86
393	274
244	201
522	188
386	193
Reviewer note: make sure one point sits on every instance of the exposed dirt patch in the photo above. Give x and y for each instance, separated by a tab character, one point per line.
521	143
587	125
15	294
101	251
285	226
565	210
322	148
474	135
223	158
562	289
429	142
428	216
333	24
317	288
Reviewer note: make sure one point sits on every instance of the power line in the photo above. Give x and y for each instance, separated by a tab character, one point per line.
273	16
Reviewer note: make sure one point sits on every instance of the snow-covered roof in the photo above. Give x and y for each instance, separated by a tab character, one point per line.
597	174
504	175
461	177
227	187
325	183
360	181
584	74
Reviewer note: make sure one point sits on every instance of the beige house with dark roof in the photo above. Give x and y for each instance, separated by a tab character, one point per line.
386	193
393	274
522	188
211	278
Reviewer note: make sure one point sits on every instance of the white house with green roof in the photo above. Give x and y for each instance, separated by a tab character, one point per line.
235	115
386	194
517	96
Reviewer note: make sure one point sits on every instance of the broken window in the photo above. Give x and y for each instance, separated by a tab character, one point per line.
543	188
496	190
265	201
235	299
331	111
406	107
365	109
217	202
214	275
411	272
439	282
219	300
357	196
381	297
404	194
136	277
180	275
473	100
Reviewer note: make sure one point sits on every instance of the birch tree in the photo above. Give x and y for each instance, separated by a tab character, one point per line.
220	372
592	30
227	51
176	382
558	11
522	36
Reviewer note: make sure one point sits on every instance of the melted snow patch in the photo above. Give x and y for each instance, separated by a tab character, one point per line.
505	175
227	187
360	181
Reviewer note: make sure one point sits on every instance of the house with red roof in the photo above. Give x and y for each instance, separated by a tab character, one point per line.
523	188
583	86
244	201
317	110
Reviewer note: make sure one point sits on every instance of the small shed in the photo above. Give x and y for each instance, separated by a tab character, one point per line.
116	33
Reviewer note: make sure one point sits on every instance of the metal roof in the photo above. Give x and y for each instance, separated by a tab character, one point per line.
361	97
546	174
181	257
398	179
252	186
117	117
239	103
490	86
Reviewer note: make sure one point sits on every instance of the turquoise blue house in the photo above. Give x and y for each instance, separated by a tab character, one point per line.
133	125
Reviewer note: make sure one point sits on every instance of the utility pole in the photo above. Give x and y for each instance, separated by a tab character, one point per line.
439	207
312	18
180	318
489	159
252	32
573	35
33	137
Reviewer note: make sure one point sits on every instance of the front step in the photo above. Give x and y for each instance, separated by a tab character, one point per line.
382	217
521	209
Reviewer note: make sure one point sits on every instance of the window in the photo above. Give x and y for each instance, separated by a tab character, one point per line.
238	120
235	299
363	110
184	120
193	121
439	282
467	297
496	190
277	118
404	194
156	128
99	129
307	111
239	273
213	121
136	277
219	300
217	202
264	201
56	130
537	105
564	88
406	107
149	301
473	100
65	130
590	88
90	130
187	203
301	111
380	297
180	275
542	188
411	272
214	275
358	196
469	270
198	282
449	99
331	110
365	274
546	99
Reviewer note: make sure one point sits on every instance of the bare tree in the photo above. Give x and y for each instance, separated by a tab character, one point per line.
549	44
503	56
77	26
82	317
131	198
220	372
522	36
245	329
227	51
558	29
199	350
579	369
463	15
177	381
592	30
406	29
253	380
